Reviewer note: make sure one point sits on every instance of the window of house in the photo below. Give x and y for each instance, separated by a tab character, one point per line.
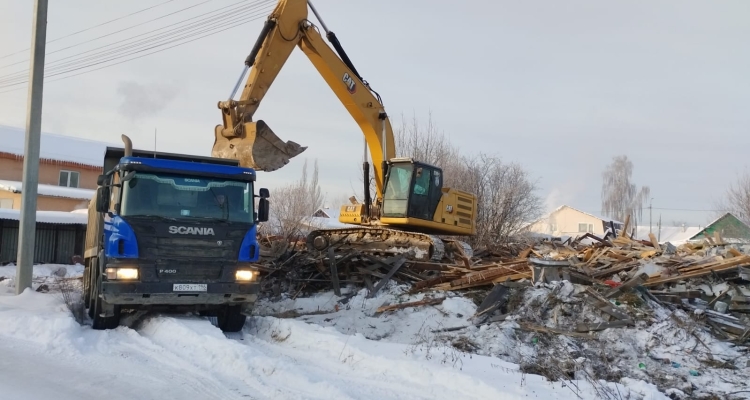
68	178
6	203
586	228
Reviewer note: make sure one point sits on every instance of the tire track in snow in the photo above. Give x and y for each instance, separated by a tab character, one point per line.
293	360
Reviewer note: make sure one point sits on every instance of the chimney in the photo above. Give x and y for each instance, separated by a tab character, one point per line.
683	227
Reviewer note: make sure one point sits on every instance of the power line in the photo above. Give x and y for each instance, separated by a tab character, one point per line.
147	54
112	33
224	17
90	28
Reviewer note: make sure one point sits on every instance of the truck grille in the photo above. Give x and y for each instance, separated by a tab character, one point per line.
156	248
188	272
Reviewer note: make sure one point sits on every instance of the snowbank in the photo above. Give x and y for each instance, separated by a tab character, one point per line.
51	217
50	190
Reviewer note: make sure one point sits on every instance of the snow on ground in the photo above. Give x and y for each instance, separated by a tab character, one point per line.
45	353
670	352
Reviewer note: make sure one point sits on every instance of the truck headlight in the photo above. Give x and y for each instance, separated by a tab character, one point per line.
245	275
122	273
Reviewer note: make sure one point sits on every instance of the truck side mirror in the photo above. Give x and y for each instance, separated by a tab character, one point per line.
102	199
264	193
101	180
263	208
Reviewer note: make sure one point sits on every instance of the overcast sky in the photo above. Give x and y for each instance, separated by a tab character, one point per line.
558	86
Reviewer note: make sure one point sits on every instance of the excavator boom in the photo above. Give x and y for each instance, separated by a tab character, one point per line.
411	206
254	143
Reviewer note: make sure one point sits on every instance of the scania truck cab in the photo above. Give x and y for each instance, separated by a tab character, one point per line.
175	233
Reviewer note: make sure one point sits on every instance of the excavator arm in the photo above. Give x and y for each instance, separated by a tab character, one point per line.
253	142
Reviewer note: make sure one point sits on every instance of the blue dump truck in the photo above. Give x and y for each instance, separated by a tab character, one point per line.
172	233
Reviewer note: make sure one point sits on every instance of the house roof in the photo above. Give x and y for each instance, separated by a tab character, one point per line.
710	225
589	214
54	147
49	217
50	190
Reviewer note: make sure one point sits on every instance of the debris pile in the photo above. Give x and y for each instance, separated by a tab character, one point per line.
591	308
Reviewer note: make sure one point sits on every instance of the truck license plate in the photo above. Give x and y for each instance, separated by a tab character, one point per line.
189	287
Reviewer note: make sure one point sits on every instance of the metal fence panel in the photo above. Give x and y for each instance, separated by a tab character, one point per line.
54	243
8	244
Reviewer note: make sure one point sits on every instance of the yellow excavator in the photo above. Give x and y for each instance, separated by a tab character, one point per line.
411	206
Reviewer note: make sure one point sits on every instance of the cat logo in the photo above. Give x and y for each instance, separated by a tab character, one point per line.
351	86
449	208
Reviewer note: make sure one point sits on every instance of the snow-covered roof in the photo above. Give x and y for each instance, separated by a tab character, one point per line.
50	190
50	217
589	214
676	235
55	147
546	216
331	212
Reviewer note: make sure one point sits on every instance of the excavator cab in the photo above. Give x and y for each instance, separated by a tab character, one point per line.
412	189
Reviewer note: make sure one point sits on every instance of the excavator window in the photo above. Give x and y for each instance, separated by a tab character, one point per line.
412	190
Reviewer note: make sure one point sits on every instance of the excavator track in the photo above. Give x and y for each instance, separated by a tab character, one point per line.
381	240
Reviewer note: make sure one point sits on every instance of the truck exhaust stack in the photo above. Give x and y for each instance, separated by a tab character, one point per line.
128	146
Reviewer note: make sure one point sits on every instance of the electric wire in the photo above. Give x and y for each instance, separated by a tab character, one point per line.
147	54
223	17
112	33
92	27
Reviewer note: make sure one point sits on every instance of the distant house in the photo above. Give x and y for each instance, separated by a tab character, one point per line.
68	168
327	212
729	227
569	221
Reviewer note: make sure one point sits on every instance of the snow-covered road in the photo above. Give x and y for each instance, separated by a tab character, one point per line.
46	354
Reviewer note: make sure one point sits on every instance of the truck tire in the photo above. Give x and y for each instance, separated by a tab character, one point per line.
97	307
230	319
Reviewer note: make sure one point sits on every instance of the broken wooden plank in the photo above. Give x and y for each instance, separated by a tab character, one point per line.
600	326
633	282
385	280
334	272
543	329
424	302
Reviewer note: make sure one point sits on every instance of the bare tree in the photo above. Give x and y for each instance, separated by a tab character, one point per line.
506	198
620	197
736	200
424	143
292	206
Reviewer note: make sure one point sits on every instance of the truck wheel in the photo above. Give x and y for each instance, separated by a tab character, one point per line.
97	307
230	319
87	285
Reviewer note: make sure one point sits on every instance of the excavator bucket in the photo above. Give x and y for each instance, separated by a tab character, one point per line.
255	147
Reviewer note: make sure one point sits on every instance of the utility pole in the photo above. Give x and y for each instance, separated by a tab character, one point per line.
650	208
27	228
659	238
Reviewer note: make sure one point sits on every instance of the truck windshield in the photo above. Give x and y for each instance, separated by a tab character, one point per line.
179	196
